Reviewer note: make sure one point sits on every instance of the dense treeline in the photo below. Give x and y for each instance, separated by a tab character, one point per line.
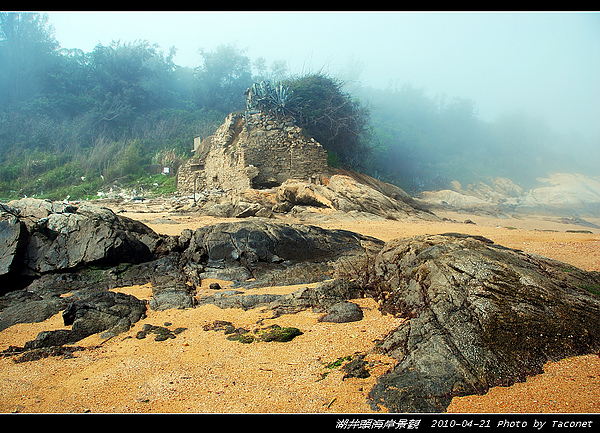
71	122
425	143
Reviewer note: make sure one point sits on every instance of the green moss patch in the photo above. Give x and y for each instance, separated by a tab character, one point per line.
270	333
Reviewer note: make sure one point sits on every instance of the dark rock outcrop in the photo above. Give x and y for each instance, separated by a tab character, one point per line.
48	249
342	312
103	312
27	307
273	253
13	233
178	295
55	249
90	235
39	237
477	315
328	297
320	298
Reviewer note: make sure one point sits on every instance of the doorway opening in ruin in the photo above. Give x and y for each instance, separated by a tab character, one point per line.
259	183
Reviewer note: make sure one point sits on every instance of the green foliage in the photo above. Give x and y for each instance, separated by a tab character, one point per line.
105	115
332	117
265	97
592	289
159	184
128	162
223	77
338	362
27	50
72	122
332	159
425	143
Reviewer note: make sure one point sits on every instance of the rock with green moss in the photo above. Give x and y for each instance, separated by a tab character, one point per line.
477	315
277	333
270	333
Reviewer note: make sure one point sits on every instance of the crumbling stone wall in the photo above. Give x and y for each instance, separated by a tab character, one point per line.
252	151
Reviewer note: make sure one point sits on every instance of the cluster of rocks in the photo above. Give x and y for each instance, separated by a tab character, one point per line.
344	195
162	333
561	195
331	298
62	257
268	122
477	314
270	333
22	354
39	236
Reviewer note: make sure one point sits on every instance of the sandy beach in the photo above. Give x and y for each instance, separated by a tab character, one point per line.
200	371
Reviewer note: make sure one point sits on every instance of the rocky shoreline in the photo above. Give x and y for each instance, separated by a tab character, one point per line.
467	305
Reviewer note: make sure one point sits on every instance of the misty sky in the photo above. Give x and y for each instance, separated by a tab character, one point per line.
543	64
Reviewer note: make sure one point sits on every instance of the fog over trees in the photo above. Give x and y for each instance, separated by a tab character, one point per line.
72	121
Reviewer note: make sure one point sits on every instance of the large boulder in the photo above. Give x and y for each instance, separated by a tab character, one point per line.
13	233
346	194
32	209
268	252
91	234
342	312
40	236
477	315
298	192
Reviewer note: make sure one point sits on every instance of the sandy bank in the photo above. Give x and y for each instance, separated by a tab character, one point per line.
202	371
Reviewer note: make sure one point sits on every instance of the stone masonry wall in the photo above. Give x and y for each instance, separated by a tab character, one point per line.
254	151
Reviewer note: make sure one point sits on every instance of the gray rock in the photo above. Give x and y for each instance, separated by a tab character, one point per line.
101	310
236	299
247	210
121	326
342	312
320	298
256	249
92	234
91	314
39	236
478	315
324	296
33	209
177	298
51	339
31	310
357	367
13	233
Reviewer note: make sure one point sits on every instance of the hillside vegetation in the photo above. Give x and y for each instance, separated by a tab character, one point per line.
74	123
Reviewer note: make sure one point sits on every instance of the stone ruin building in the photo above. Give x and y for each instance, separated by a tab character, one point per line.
252	151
